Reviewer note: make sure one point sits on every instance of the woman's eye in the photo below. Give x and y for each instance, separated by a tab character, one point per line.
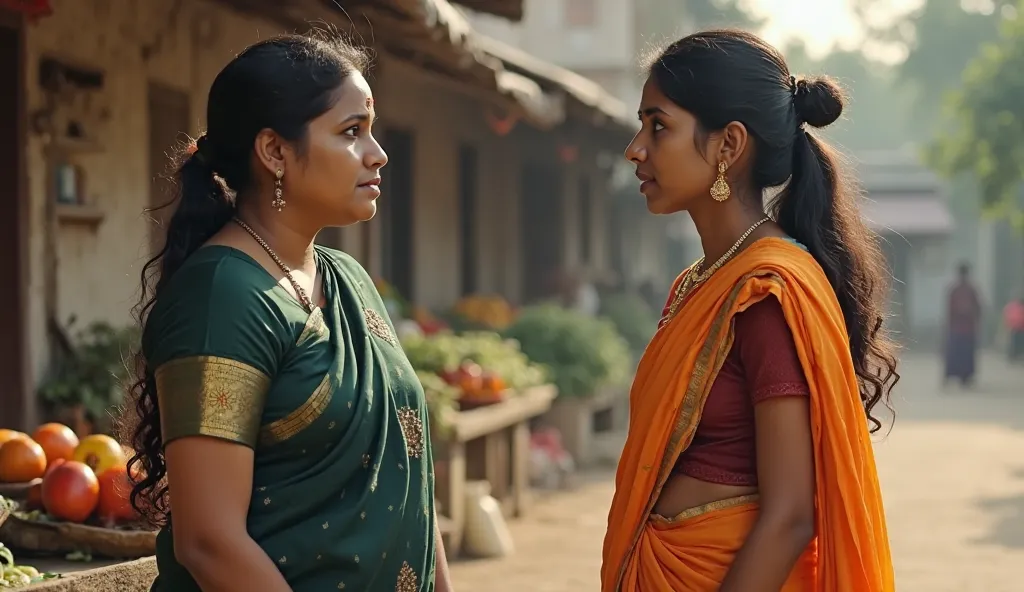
658	126
352	132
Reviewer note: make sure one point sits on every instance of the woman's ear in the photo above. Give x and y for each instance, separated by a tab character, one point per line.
270	151
733	143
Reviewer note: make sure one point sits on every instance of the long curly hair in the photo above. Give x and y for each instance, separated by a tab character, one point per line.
729	75
281	83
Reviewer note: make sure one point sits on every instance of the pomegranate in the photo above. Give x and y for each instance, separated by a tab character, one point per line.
71	492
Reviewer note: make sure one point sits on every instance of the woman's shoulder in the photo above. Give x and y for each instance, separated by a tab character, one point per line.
348	264
340	258
220	269
221	302
222	281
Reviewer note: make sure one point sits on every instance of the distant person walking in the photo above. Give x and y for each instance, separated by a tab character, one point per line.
963	317
1013	318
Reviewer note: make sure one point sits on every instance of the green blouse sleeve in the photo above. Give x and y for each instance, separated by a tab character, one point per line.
214	342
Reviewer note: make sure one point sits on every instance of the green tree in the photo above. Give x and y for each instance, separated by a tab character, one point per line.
983	133
940	37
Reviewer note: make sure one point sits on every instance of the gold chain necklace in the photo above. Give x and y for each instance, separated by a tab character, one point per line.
694	279
303	297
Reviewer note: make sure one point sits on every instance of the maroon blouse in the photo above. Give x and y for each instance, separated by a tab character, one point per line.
762	364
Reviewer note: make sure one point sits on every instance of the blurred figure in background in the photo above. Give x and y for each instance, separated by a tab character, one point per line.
1013	318
963	318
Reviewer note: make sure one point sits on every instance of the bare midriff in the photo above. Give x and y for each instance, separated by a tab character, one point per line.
682	492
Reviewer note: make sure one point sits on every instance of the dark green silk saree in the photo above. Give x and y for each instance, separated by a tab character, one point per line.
342	480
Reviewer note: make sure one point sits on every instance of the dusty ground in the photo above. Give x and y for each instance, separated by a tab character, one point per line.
952	474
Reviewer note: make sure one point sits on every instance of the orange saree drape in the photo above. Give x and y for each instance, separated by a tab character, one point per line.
643	553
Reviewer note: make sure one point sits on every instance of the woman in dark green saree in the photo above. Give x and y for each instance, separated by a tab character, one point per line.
282	437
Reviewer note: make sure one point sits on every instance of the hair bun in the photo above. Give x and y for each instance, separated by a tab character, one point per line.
818	101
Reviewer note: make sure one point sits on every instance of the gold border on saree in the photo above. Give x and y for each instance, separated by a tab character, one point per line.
303	416
725	504
211	396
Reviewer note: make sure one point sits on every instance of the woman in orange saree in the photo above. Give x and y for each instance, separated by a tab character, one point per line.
749	465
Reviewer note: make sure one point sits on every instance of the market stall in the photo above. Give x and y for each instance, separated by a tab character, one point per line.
489	443
64	497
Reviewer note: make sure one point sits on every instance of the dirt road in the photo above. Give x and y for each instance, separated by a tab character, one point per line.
952	474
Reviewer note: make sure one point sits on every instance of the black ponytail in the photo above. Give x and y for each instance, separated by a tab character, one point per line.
726	76
817	209
281	84
203	208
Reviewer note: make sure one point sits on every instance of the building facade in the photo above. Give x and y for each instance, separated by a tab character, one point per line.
99	93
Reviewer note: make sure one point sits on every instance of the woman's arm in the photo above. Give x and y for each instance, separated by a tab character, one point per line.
442	578
785	455
785	472
211	483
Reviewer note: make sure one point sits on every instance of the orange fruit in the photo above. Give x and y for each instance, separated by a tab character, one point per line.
21	460
115	496
71	492
8	435
58	441
99	452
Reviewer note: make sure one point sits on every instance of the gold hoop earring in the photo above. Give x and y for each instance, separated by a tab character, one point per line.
278	193
720	189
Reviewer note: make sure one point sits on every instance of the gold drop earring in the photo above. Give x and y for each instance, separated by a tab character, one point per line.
720	189
278	193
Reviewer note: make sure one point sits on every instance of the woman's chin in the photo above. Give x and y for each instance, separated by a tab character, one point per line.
658	206
365	210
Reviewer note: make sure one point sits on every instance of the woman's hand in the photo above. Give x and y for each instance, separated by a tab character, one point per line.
210	484
785	474
442	577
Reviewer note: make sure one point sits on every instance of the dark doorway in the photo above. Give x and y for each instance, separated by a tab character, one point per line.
586	220
468	244
542	231
396	212
14	398
168	112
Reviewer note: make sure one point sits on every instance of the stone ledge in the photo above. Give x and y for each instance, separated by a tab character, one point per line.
133	576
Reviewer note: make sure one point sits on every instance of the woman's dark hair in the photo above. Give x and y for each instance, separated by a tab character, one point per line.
280	84
725	76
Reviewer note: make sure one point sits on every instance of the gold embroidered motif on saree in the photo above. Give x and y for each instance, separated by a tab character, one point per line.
301	418
379	326
211	396
408	581
412	429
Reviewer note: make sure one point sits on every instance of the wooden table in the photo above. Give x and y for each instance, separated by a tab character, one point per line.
489	443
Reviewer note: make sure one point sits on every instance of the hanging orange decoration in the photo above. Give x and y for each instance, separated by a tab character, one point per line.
501	126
